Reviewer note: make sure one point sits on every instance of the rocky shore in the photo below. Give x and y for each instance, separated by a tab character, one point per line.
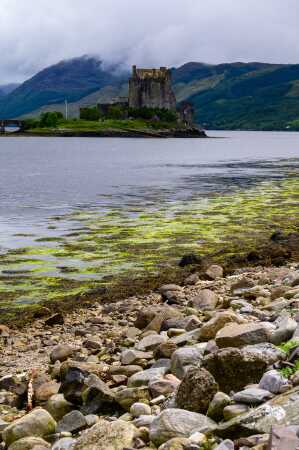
212	363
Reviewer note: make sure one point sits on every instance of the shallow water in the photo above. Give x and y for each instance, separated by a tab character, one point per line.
85	210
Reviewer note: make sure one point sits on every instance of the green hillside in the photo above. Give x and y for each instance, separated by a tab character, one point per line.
226	96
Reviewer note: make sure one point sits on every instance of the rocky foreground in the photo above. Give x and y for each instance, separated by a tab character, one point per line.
213	364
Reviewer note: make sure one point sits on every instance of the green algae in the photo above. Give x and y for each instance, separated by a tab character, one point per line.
139	242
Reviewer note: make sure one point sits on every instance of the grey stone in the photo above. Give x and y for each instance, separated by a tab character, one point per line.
61	353
143	421
58	406
128	396
151	342
107	436
284	438
214	271
235	335
64	444
37	423
273	381
97	397
129	357
226	445
231	411
281	410
30	443
252	396
234	368
145	377
190	337
196	390
140	409
217	405
185	357
206	300
286	327
72	422
178	423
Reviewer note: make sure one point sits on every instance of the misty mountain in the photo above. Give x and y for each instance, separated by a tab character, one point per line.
225	96
6	89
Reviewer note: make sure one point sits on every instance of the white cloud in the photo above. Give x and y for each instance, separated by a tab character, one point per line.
36	33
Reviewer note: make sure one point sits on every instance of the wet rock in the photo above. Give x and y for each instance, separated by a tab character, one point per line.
38	423
173	423
214	272
252	396
283	437
30	443
281	410
56	319
140	409
231	411
97	397
72	422
235	335
128	396
185	357
145	377
64	444
217	405
209	330
196	390
58	406
273	381
107	436
234	368
206	300
151	342
61	353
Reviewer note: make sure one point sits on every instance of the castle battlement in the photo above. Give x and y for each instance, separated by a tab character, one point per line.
151	88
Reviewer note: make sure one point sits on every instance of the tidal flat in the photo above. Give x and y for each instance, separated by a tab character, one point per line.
104	248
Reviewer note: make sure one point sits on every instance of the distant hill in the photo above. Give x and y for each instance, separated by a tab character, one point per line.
72	80
226	96
6	89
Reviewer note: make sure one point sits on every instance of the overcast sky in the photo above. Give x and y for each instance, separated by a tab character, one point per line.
36	33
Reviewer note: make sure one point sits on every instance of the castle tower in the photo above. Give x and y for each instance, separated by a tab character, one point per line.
151	88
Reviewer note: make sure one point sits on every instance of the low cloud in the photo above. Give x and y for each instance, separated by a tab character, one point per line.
37	33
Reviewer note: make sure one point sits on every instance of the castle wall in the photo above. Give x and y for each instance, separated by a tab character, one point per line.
151	88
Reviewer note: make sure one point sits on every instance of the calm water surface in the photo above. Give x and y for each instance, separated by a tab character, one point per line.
43	177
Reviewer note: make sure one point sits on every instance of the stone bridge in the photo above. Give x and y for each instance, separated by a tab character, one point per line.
10	123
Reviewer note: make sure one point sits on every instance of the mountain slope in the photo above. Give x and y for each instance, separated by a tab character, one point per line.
71	80
226	96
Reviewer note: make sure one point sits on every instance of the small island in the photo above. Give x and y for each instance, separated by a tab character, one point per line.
150	110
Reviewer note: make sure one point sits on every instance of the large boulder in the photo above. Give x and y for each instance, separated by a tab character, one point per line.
58	406
283	437
175	422
234	368
235	335
206	300
37	423
281	410
196	390
107	436
97	397
185	357
30	443
209	330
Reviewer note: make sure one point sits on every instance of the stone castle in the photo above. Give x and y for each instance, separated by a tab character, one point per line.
151	88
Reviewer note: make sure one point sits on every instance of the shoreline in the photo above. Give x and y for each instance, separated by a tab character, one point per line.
156	134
